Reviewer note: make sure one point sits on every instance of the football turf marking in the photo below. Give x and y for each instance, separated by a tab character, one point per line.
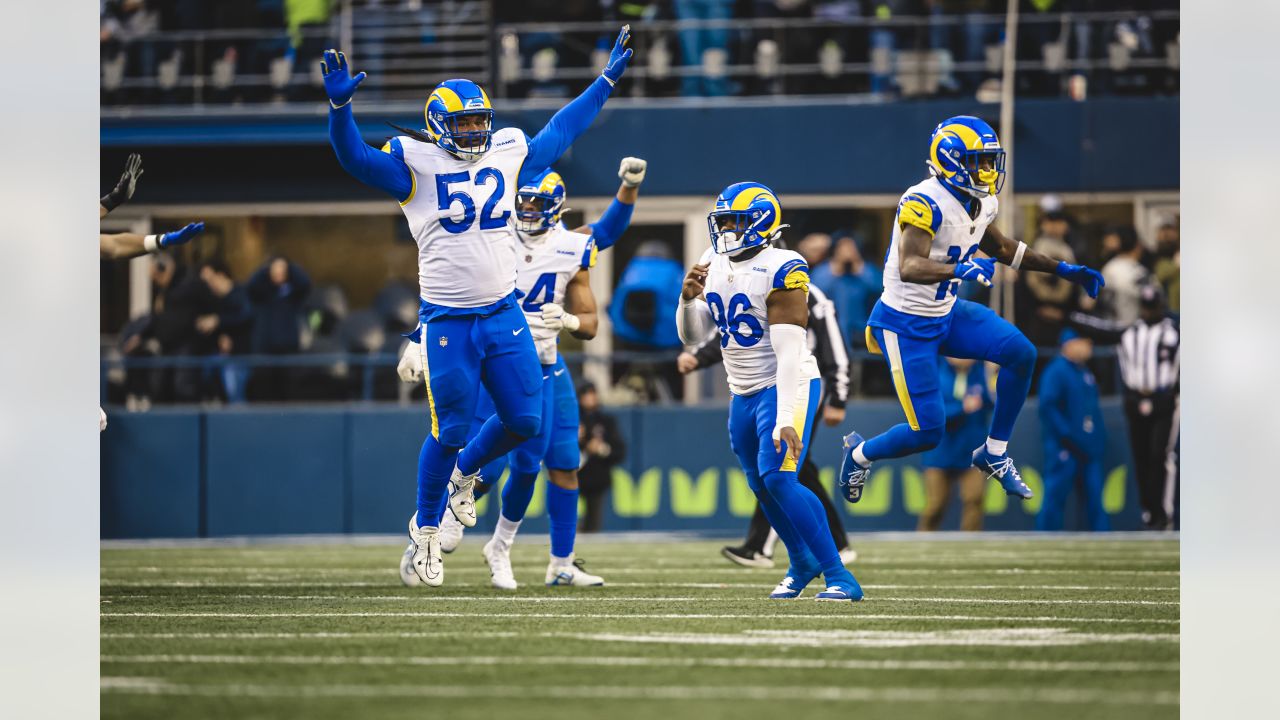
689	585
826	617
591	597
626	661
997	637
1072	696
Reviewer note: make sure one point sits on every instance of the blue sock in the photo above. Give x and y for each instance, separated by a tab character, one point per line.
435	465
562	510
804	511
898	441
1017	360
802	562
489	476
492	442
517	493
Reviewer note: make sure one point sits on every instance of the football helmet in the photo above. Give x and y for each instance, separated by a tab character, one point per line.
451	101
746	215
547	192
965	153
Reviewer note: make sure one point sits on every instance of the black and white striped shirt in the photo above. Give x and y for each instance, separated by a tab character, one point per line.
1149	357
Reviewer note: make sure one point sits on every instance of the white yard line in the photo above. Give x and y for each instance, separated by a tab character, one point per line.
629	661
291	573
688	585
591	597
825	617
1069	696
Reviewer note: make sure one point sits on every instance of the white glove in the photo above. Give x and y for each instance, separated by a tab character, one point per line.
632	171
102	414
410	367
555	318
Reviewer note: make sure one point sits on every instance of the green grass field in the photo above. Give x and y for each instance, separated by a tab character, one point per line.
1002	626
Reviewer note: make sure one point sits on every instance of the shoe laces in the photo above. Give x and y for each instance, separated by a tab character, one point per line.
1005	466
786	583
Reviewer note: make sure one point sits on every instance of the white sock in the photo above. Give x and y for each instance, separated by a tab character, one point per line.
997	447
770	542
858	457
505	532
561	561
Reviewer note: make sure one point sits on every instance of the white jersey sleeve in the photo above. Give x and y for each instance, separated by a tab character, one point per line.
956	235
737	294
460	215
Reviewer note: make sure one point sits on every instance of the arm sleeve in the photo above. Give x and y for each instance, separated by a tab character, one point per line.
833	360
612	223
382	170
565	126
709	352
693	321
788	342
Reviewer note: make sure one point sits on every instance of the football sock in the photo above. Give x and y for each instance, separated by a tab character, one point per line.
517	492
859	456
505	532
802	562
804	511
997	447
492	442
435	465
898	441
562	511
1017	361
481	489
490	474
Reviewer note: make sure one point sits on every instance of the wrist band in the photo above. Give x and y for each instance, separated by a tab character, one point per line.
151	243
1017	256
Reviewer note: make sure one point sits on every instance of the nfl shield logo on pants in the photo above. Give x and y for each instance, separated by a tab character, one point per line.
444	341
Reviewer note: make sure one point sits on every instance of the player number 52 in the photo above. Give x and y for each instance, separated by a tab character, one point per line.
448	197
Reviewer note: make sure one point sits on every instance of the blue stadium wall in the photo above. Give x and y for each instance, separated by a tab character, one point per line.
191	473
1106	144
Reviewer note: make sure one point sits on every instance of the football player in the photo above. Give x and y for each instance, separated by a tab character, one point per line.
554	283
122	246
756	296
941	223
456	183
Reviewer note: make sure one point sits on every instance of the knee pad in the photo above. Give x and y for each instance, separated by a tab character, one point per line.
454	435
523	461
1018	355
929	436
525	426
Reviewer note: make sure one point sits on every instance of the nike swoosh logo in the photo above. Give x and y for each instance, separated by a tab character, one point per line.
517	332
917	212
559	372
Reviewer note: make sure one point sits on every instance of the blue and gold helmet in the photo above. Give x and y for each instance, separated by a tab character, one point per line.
746	215
965	153
451	101
547	193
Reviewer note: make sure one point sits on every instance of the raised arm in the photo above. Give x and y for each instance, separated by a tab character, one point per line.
617	217
124	188
121	246
1019	256
573	119
383	170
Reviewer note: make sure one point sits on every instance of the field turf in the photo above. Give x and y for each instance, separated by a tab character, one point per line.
953	627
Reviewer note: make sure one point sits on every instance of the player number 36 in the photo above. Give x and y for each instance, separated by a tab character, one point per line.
448	197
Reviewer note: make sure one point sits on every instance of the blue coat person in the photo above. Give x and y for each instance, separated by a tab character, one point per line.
1074	436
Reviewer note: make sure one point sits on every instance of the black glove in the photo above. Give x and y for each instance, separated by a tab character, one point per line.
128	181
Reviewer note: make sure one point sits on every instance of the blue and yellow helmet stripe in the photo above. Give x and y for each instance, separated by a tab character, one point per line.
548	191
965	153
450	100
746	214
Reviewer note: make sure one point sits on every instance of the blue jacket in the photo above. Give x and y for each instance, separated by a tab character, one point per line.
1070	417
965	432
643	307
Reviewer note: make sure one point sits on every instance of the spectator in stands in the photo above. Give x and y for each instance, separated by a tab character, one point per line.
602	449
960	26
967	402
1124	274
1074	436
1045	298
705	50
814	248
308	23
853	285
220	321
277	290
1168	266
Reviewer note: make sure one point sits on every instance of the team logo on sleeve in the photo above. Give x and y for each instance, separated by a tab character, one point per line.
444	341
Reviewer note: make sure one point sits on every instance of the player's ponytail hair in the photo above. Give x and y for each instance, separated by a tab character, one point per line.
418	135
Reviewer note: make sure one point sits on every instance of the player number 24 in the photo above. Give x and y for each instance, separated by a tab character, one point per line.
730	321
448	197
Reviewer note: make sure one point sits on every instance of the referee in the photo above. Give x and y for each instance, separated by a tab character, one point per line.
1149	368
827	344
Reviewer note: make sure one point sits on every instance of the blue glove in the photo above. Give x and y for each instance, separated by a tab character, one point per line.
618	57
979	269
178	237
1086	277
338	83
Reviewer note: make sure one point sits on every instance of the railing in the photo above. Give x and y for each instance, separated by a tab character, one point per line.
408	48
371	376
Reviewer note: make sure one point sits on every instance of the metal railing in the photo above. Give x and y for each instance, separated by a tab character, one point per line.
408	48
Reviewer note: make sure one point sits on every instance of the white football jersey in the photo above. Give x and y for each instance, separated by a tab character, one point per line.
547	263
460	215
736	293
930	206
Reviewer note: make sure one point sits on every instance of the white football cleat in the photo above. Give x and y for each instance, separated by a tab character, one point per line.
427	562
561	573
462	498
407	575
450	533
498	557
